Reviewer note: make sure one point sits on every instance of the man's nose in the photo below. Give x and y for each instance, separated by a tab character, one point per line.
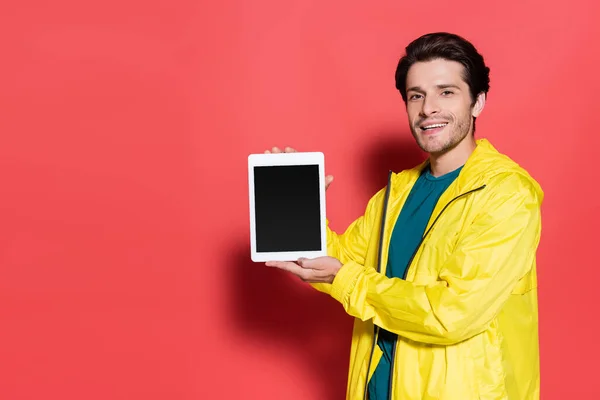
430	106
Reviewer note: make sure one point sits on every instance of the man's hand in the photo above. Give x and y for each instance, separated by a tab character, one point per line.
328	178
315	270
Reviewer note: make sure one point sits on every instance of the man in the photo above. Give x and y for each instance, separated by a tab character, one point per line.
440	271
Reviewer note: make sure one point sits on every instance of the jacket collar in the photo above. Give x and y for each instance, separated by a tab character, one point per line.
483	163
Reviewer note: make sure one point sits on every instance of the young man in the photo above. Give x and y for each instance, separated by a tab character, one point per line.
440	271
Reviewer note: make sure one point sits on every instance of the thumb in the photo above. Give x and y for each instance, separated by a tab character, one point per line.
328	180
303	262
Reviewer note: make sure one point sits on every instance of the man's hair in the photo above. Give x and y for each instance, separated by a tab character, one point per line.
447	46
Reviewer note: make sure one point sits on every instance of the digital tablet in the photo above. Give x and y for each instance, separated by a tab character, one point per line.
287	206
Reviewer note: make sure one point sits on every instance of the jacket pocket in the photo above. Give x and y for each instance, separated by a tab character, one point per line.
485	355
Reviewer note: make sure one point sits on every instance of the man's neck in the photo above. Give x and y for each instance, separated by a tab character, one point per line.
443	163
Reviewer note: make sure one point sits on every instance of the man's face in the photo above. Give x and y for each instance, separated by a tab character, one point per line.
439	105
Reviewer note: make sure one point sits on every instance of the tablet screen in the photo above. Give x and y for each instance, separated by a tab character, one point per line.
287	208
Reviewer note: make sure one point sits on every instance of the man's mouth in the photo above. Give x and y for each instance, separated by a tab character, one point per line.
433	126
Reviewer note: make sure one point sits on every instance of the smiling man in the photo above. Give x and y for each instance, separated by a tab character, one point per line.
440	271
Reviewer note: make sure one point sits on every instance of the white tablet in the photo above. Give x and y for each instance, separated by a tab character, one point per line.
287	206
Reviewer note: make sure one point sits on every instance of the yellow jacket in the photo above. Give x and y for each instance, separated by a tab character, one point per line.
466	315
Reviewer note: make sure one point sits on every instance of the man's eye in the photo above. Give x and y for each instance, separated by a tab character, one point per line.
447	93
415	97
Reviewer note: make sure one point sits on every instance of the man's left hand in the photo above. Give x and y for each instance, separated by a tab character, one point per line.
315	270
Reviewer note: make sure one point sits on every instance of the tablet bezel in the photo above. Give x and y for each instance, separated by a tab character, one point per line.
280	159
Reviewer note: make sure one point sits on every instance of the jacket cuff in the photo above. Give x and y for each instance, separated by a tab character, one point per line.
322	287
345	281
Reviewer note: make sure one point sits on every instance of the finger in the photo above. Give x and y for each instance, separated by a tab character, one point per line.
275	150
328	180
290	150
310	264
267	152
293	268
284	265
319	274
313	269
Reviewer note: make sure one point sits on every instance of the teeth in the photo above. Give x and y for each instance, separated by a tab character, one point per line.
434	126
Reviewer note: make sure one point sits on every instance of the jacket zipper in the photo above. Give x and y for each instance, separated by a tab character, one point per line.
406	273
376	333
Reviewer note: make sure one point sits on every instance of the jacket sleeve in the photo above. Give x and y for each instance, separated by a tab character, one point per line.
351	246
495	252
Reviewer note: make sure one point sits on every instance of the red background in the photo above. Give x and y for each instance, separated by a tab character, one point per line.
125	128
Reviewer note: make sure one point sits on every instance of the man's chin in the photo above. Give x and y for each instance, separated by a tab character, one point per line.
430	147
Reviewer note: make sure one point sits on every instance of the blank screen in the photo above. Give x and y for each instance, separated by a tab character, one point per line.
287	204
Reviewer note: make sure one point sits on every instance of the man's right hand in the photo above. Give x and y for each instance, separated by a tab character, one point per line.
328	178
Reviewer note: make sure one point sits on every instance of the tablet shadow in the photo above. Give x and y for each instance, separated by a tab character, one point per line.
395	151
279	312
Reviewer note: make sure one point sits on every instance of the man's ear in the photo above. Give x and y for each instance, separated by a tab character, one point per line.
478	106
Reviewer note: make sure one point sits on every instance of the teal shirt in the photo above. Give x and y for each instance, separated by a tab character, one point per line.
406	236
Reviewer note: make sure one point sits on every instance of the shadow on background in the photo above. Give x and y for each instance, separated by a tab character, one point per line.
278	311
394	151
282	313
